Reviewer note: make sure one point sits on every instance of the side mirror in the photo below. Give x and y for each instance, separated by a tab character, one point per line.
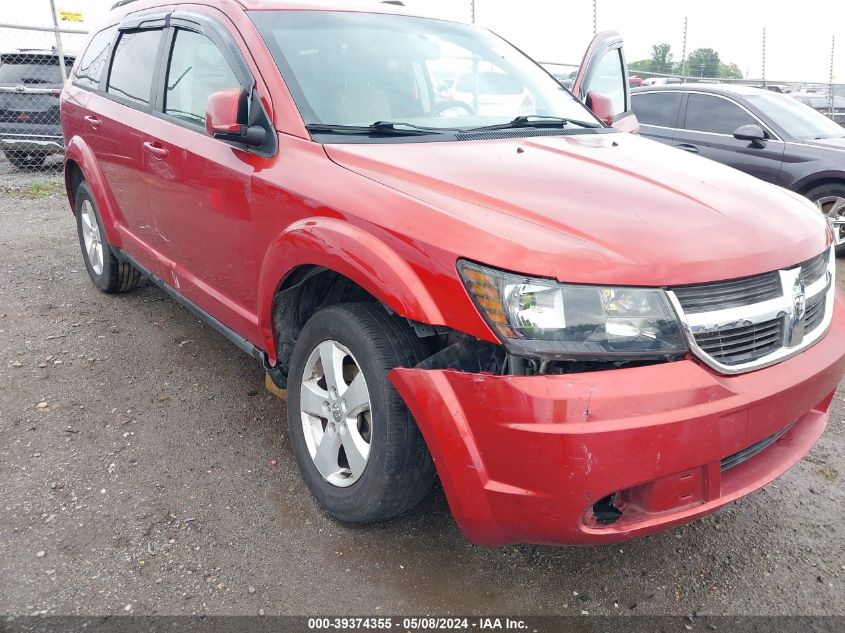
753	133
226	117
601	106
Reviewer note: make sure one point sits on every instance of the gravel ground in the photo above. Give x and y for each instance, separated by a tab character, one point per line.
157	480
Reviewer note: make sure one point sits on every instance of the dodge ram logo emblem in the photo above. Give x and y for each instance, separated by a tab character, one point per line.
799	301
794	318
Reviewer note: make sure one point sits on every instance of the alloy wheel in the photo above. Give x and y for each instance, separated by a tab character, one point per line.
336	415
91	237
833	207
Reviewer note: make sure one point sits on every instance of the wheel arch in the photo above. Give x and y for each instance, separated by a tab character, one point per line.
81	166
343	261
816	180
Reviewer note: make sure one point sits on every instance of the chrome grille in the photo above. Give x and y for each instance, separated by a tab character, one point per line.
729	294
814	315
744	343
743	324
813	269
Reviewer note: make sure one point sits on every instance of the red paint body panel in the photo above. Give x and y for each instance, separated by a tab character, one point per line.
522	459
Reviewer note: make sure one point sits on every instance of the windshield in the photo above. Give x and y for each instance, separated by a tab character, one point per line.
797	119
355	69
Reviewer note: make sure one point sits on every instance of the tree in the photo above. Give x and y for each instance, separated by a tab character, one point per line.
661	58
703	62
729	71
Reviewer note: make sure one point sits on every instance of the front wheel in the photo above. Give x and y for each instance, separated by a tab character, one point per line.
358	448
830	199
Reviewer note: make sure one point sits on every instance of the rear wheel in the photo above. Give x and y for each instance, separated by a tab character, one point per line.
107	273
357	446
830	199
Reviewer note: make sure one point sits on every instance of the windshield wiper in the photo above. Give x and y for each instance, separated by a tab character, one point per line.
381	128
535	121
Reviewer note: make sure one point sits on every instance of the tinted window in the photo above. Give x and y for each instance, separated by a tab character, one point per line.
197	69
609	79
656	108
714	114
91	65
132	68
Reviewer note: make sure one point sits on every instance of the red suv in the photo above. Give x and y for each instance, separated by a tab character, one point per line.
588	336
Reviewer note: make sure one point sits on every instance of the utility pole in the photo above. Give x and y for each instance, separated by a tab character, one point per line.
764	58
831	109
684	52
472	10
595	21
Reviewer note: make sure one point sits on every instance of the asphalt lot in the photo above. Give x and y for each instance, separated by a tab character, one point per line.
157	479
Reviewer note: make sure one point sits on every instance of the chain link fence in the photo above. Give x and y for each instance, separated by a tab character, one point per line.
35	60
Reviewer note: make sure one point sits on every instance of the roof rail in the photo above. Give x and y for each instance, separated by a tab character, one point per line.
120	3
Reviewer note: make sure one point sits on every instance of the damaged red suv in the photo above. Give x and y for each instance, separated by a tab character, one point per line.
454	266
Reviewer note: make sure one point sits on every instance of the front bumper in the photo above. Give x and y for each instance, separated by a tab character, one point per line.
523	459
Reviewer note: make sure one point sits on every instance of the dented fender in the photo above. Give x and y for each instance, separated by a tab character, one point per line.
353	252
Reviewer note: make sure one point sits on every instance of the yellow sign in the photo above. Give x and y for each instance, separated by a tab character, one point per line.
70	16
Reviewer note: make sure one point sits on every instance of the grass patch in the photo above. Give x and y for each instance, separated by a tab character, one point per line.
42	188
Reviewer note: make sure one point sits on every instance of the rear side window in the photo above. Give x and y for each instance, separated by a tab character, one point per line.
197	69
715	115
656	108
91	66
133	66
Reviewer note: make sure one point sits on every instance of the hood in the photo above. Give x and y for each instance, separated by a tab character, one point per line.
608	208
837	143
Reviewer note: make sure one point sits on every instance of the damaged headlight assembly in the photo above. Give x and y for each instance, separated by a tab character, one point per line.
543	318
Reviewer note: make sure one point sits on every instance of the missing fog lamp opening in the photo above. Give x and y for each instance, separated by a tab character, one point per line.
540	317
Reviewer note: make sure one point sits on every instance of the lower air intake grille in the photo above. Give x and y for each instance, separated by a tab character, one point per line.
742	344
747	453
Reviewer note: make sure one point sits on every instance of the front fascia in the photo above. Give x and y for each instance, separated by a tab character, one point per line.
522	459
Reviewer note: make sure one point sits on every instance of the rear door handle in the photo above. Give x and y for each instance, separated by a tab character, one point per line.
93	121
687	148
158	152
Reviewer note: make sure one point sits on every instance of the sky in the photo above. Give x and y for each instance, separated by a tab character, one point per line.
798	41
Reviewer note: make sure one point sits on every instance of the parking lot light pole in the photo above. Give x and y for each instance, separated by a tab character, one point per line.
59	50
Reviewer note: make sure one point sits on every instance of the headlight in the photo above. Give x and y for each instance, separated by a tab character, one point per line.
539	317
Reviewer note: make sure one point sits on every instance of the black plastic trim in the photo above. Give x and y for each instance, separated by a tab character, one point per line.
755	449
224	330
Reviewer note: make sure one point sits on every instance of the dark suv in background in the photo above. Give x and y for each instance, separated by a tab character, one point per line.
772	136
30	85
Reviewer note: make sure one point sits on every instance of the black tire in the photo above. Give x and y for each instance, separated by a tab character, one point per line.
116	276
833	189
399	471
22	160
